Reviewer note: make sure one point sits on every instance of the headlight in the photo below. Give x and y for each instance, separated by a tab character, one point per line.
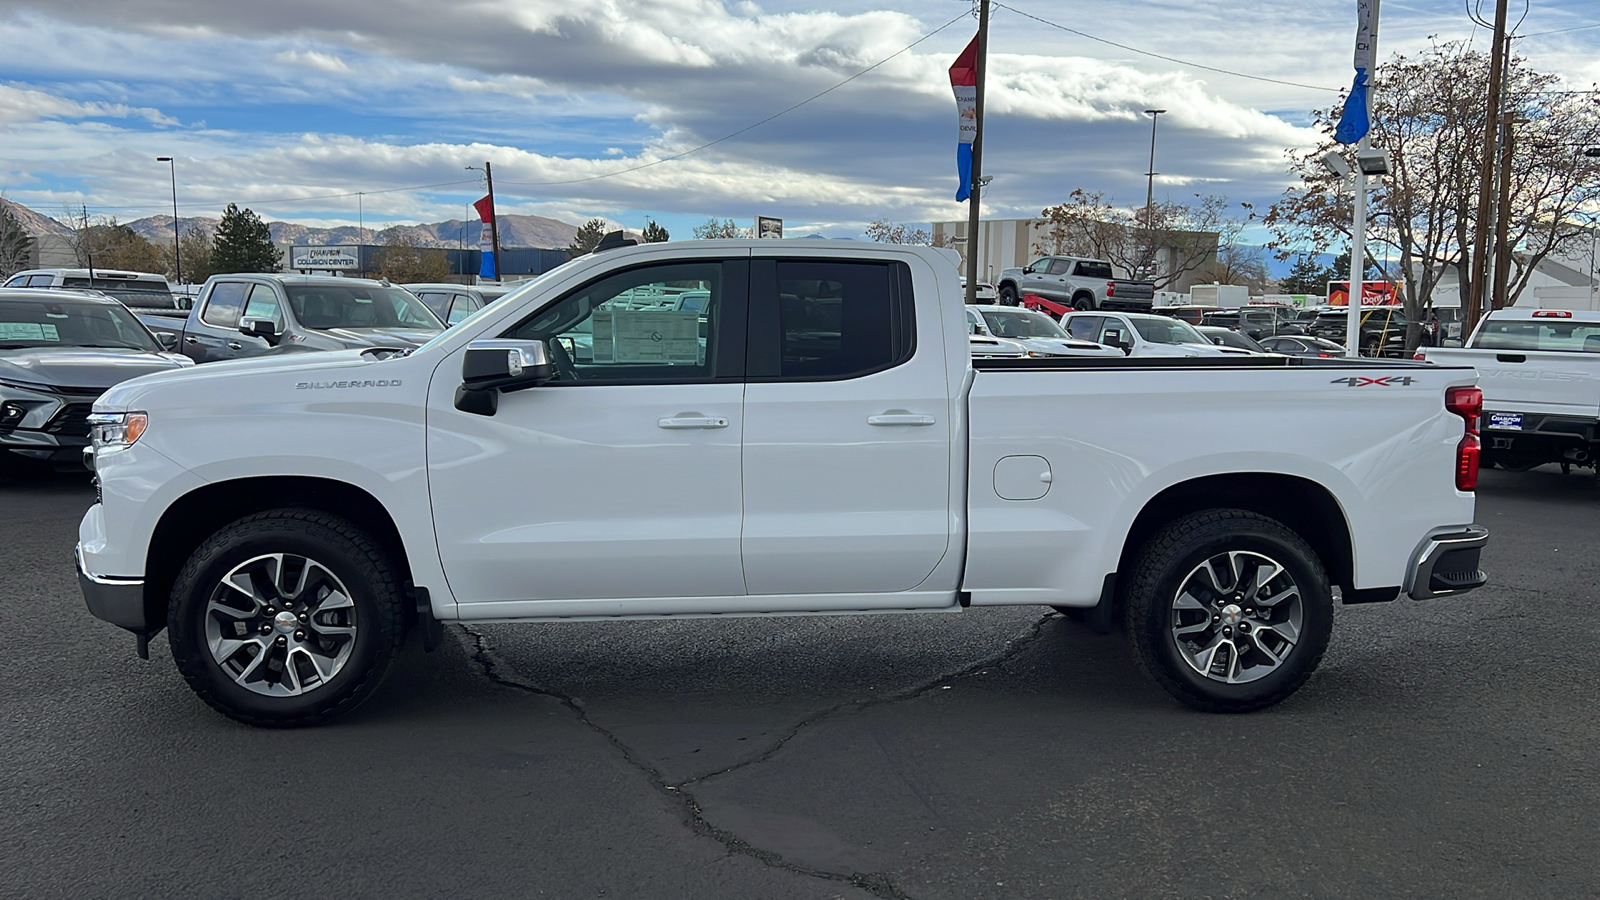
112	430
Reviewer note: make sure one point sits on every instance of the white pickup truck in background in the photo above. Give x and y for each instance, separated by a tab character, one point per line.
816	438
1540	374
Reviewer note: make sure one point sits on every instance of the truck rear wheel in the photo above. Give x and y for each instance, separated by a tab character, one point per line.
286	618
1083	302
1229	611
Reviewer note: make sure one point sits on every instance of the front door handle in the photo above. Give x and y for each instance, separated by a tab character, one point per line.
900	418
235	345
192	340
680	422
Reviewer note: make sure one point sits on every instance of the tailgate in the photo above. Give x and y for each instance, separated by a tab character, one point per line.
1134	290
1532	381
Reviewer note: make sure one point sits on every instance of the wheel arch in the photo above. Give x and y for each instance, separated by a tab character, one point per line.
1302	505
203	511
1082	293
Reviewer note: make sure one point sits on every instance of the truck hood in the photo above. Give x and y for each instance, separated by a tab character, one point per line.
362	338
316	366
92	368
1067	347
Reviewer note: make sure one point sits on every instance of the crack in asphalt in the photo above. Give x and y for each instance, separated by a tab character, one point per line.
878	884
854	706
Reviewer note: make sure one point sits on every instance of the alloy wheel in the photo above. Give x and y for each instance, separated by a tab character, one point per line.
280	625
1237	617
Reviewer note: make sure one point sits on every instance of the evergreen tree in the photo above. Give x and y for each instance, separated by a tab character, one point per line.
1307	277
655	234
16	244
243	244
587	238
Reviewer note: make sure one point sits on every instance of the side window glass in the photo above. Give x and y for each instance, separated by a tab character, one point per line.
1085	328
263	304
631	326
1113	333
40	280
18	281
437	301
1058	267
841	319
1042	264
225	304
461	306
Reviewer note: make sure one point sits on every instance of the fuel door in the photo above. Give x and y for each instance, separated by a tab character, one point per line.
1022	477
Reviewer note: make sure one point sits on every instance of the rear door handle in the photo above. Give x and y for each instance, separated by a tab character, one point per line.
692	422
900	419
235	345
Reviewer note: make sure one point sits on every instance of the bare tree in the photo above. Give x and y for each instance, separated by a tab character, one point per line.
405	263
1430	112
887	232
16	245
723	228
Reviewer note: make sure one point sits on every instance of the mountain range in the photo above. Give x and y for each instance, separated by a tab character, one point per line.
515	230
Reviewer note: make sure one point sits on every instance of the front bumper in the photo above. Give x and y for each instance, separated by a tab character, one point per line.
119	601
1447	564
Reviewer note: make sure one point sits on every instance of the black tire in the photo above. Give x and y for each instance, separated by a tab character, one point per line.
1176	553
1008	295
377	604
1370	348
1083	302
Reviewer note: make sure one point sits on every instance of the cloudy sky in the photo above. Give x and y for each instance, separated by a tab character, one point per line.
283	106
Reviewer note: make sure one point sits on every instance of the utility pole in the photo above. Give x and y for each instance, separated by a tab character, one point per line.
494	220
1150	198
1502	219
361	235
1479	292
975	202
177	253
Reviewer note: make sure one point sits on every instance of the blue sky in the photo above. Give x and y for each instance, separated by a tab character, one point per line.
296	100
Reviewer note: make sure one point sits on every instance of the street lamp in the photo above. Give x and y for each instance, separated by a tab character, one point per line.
177	255
1150	189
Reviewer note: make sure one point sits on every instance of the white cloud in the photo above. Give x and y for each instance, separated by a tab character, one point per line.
314	59
18	104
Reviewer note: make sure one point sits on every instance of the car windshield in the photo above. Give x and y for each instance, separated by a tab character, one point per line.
149	294
1554	334
46	323
1022	325
324	306
1167	331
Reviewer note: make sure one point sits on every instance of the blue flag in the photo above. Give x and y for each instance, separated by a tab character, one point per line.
1354	122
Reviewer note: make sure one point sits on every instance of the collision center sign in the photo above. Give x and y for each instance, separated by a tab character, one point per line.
323	258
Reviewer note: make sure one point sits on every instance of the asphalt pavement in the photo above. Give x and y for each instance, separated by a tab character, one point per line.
1445	748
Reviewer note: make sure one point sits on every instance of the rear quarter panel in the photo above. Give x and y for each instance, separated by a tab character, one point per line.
1114	438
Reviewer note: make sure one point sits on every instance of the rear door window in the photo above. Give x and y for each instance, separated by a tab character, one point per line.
225	304
830	319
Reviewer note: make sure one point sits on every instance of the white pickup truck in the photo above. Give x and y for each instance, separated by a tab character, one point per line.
814	439
1540	373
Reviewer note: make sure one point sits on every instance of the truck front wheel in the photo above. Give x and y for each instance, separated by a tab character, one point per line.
1229	611
286	618
1008	295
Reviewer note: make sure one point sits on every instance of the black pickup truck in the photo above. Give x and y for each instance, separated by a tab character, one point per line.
238	316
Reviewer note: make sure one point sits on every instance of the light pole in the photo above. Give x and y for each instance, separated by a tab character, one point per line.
177	254
1150	192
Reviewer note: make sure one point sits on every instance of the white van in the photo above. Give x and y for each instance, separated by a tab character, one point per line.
138	289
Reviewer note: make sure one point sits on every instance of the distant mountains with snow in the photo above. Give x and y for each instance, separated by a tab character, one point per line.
515	230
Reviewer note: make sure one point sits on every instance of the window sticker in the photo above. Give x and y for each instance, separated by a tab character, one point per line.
655	336
28	331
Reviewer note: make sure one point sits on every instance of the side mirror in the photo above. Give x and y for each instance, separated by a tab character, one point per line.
266	329
493	365
167	340
1027	270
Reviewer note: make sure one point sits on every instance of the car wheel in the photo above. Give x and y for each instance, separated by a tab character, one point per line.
1370	348
1008	295
1083	302
286	618
1229	611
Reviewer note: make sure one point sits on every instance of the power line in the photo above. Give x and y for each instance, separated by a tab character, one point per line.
1562	30
1171	59
749	127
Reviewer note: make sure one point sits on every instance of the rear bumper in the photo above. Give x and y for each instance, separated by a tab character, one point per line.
119	601
1447	564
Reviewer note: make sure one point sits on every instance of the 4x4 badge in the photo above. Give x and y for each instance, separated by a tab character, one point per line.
1383	381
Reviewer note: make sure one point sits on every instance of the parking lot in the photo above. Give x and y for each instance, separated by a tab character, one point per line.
1444	749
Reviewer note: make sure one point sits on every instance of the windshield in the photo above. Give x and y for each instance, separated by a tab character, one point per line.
1022	325
1578	337
1168	331
324	306
44	323
134	293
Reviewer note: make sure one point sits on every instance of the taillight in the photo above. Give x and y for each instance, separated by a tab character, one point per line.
1552	314
1420	356
1466	402
1111	289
